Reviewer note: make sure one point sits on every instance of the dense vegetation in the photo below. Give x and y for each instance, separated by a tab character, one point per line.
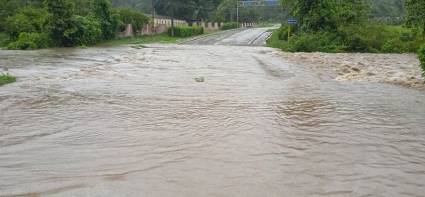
34	24
184	31
351	26
347	26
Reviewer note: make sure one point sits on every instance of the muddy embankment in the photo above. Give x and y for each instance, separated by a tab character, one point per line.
398	69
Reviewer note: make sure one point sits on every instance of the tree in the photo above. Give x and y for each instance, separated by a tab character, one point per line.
321	15
61	13
28	19
102	11
416	14
9	8
130	16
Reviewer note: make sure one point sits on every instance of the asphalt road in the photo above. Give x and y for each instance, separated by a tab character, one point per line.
236	37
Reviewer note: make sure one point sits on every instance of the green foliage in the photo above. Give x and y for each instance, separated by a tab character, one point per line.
328	15
341	26
421	55
30	41
27	19
4	39
6	78
185	31
84	31
415	14
380	38
282	32
320	41
61	20
372	38
102	11
229	25
129	16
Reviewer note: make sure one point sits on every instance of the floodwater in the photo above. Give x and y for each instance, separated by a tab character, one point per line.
134	122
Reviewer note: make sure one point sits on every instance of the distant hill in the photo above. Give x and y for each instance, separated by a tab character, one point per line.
387	8
379	8
143	5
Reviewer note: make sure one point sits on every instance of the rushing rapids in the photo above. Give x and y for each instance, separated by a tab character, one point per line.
133	122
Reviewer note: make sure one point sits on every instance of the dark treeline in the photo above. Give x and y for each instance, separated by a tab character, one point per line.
206	10
225	10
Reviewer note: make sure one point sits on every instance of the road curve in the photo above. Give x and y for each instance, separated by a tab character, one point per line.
236	37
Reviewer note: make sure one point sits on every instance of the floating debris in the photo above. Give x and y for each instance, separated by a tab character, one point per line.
139	46
200	79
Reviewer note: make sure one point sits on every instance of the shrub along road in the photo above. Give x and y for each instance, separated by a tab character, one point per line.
203	120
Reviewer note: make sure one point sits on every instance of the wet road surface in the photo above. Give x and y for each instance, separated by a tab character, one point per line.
134	122
236	37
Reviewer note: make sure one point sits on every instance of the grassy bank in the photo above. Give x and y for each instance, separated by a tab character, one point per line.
6	78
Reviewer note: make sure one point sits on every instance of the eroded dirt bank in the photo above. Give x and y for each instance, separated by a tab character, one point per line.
399	69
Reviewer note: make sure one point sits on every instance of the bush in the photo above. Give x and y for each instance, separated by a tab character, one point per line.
229	25
364	38
372	38
60	19
321	41
28	19
102	10
30	41
185	31
421	54
4	39
84	31
283	32
129	16
6	78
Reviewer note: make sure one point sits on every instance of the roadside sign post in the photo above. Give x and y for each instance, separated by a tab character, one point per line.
289	32
290	23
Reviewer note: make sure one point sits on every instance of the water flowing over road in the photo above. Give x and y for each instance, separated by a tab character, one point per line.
125	121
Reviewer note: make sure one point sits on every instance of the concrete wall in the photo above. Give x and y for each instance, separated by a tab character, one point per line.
247	24
128	32
211	26
162	25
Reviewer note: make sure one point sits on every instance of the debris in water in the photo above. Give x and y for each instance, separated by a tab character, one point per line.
139	46
199	79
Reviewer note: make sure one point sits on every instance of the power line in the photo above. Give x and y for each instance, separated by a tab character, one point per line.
258	3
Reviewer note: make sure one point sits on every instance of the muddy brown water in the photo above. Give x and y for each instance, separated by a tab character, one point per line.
134	122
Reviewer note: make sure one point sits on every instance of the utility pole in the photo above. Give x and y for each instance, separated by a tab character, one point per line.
153	16
172	19
237	12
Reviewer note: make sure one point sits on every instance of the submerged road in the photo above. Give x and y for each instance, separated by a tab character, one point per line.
126	121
